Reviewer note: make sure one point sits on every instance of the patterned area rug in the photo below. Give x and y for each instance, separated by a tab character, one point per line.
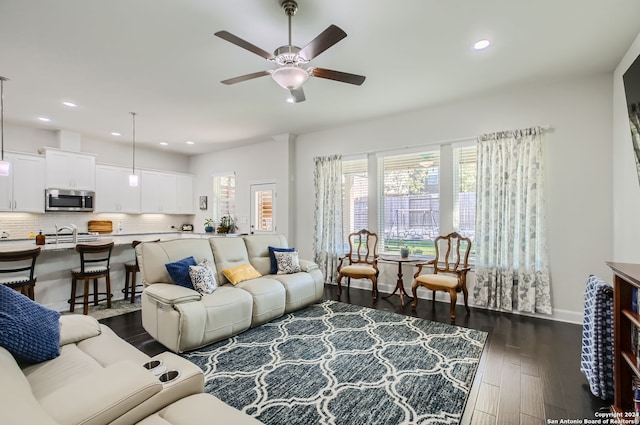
336	363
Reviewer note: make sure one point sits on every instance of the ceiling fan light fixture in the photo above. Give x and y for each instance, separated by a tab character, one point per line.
290	77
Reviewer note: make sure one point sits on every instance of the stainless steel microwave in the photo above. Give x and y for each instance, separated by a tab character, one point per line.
69	200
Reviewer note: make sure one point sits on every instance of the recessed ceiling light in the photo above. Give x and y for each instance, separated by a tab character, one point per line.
70	104
290	99
481	44
44	119
164	143
189	142
115	133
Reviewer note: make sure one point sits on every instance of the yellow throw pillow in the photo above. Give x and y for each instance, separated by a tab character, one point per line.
240	273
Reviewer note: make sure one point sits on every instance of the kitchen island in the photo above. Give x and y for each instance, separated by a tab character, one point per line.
53	266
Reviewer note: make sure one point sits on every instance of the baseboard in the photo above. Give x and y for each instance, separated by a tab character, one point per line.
557	315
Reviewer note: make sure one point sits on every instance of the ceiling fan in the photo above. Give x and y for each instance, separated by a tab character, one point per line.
292	61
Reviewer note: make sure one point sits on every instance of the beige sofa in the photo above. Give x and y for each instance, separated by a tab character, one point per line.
99	378
182	319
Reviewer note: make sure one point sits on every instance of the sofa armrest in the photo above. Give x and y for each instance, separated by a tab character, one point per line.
168	293
102	396
307	265
76	327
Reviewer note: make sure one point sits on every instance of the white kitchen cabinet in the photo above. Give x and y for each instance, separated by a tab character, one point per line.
70	170
158	192
23	189
185	195
113	193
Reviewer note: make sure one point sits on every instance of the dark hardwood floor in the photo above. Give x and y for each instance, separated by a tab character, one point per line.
529	371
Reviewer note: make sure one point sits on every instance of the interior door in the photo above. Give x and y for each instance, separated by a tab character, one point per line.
263	208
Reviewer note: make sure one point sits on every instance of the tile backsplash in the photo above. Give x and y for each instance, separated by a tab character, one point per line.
19	225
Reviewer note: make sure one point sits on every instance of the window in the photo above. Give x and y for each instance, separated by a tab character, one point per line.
355	197
464	190
409	202
224	195
420	195
263	208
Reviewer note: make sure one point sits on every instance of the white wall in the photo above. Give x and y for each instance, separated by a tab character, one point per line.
28	139
578	168
265	162
626	189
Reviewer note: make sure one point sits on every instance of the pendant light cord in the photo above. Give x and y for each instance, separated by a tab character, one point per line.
133	164
2	80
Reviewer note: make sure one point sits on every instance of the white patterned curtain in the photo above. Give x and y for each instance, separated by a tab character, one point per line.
327	239
511	223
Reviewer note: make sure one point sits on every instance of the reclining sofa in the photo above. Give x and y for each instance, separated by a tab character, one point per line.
98	378
183	319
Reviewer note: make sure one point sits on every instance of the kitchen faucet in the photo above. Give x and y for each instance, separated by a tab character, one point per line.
73	229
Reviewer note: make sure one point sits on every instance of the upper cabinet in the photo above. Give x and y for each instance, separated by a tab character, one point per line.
23	189
185	195
159	192
113	193
70	170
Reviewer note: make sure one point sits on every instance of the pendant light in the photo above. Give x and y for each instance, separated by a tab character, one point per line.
4	165
133	178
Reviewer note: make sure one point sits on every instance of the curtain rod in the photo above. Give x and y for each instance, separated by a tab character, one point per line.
545	127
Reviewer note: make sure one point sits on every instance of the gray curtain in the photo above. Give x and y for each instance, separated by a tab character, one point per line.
511	223
327	240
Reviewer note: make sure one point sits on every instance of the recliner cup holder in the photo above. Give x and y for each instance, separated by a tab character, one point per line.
156	367
168	376
152	364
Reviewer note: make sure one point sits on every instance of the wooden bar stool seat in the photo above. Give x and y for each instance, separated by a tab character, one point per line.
94	265
17	270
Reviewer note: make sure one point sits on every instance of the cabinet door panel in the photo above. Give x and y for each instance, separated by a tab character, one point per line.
28	183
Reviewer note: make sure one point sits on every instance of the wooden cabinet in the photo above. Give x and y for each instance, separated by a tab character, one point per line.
625	278
23	189
70	170
113	193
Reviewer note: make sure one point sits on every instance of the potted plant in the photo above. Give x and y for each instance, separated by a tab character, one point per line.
208	225
404	251
227	224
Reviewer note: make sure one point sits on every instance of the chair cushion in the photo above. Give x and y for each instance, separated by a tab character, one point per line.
179	271
15	280
358	269
438	280
30	331
90	270
274	261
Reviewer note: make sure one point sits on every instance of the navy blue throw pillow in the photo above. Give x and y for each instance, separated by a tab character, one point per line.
179	271
28	330
274	263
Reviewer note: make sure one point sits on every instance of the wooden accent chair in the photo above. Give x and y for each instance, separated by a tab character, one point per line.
18	270
450	267
362	260
94	264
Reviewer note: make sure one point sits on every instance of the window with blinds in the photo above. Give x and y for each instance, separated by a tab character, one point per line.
355	197
224	195
409	207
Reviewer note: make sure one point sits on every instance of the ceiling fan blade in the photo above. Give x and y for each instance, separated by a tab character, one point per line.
322	42
298	95
245	77
225	35
343	77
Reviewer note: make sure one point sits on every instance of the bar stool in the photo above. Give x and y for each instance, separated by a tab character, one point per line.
130	270
94	264
14	265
